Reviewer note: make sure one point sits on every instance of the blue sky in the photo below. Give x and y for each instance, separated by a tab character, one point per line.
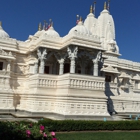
20	18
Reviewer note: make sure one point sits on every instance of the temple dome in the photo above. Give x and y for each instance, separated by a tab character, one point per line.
3	34
80	28
102	24
52	32
90	21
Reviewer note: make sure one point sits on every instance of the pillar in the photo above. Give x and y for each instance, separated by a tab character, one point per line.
42	65
95	73
61	68
72	65
72	54
36	68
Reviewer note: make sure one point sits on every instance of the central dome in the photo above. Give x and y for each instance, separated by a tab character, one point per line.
80	28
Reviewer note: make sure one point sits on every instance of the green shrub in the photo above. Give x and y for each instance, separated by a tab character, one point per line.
79	125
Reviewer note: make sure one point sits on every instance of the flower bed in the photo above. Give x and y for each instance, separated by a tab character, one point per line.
25	131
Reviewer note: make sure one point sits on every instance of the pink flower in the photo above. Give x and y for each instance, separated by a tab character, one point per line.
44	135
28	132
42	127
54	138
53	133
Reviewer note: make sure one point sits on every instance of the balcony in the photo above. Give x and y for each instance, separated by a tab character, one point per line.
74	81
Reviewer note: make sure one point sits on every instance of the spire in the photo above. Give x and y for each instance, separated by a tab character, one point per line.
94	7
52	24
91	9
39	26
105	7
0	23
108	5
80	18
50	20
45	25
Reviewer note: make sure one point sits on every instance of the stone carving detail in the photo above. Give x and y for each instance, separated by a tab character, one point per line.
61	58
2	52
87	84
110	69
72	54
42	56
23	69
97	59
72	51
42	53
47	83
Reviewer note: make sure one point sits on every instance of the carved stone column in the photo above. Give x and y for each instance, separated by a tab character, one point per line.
95	73
72	65
95	62
42	52
61	58
42	65
72	54
61	67
36	68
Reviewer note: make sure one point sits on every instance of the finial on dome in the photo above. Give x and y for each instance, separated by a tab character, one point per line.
80	18
39	27
52	24
91	9
105	7
94	7
108	5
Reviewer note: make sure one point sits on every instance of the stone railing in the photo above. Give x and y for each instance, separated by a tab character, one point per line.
81	81
43	80
67	81
86	84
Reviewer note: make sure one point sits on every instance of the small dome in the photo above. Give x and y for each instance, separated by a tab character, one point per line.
80	28
39	33
52	32
3	34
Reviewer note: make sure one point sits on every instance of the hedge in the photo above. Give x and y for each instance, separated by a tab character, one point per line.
80	125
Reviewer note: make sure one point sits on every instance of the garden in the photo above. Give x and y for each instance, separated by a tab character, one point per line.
70	130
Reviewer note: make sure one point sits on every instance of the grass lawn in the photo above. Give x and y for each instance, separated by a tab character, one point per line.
99	136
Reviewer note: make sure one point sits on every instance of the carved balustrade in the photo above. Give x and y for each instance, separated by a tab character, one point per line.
43	80
67	81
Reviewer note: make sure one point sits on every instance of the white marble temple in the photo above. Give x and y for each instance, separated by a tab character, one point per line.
78	76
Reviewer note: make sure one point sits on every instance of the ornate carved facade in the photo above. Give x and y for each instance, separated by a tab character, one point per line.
78	76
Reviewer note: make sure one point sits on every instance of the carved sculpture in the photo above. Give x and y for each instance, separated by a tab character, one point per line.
42	56
60	58
72	54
